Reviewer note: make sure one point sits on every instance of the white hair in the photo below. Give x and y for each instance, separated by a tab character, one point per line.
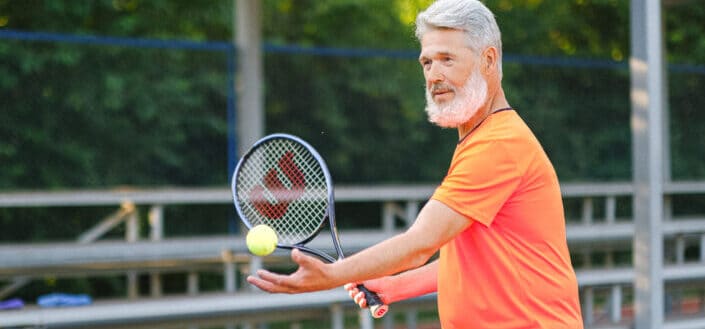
470	16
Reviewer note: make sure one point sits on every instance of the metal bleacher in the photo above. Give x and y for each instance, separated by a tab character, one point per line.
598	236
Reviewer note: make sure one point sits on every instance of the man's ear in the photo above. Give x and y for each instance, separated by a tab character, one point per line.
489	60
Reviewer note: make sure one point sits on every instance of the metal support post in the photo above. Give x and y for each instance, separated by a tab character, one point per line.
192	283
412	316
248	88
229	271
587	211
132	234
588	306
610	209
648	102
156	233
337	316
365	317
616	304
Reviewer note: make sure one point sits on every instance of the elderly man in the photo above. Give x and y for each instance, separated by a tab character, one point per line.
497	217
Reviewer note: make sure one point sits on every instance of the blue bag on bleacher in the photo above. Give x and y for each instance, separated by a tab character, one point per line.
60	299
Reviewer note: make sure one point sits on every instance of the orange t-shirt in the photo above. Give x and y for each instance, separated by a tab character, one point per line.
511	268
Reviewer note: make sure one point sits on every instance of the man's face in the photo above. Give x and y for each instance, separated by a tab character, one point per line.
455	89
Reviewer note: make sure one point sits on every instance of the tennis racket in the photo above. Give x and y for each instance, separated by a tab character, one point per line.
284	183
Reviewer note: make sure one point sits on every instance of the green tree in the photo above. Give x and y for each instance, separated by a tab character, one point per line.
90	115
81	115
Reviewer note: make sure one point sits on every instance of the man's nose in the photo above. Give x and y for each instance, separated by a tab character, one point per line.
435	74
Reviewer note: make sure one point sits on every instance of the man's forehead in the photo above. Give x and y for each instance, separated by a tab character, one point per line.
435	50
443	40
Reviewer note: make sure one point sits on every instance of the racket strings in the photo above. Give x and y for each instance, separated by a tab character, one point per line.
284	186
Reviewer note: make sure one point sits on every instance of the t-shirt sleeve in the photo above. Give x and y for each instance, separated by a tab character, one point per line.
480	180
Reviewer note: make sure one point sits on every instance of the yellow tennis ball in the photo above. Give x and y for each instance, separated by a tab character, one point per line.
261	240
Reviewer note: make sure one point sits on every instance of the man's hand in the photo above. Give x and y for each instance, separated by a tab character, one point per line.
310	276
371	285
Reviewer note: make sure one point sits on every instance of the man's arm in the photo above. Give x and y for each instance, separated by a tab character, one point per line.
435	225
391	289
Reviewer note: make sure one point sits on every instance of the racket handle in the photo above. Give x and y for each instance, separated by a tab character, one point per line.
377	308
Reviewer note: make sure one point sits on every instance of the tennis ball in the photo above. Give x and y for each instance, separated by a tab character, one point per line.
261	240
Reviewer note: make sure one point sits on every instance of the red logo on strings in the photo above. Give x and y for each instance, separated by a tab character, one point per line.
283	195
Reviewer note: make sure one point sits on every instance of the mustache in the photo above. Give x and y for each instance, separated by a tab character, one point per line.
440	86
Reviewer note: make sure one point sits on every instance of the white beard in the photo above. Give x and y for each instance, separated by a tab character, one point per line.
466	102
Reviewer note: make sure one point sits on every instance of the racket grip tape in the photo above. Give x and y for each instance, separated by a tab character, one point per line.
377	308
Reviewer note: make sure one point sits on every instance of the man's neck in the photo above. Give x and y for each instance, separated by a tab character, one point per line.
497	102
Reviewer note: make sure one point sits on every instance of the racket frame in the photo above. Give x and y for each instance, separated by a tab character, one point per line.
377	307
330	211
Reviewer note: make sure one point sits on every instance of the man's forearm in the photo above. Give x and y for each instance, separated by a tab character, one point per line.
395	255
412	283
436	225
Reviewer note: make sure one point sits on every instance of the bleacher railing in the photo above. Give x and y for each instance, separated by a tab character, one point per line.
600	243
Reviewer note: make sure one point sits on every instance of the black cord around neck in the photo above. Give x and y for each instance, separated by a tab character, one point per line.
483	120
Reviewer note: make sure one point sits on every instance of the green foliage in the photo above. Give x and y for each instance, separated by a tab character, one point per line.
685	45
84	116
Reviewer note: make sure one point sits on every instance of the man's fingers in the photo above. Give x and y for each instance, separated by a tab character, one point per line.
302	259
298	257
357	296
351	288
271	277
360	299
268	281
261	284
